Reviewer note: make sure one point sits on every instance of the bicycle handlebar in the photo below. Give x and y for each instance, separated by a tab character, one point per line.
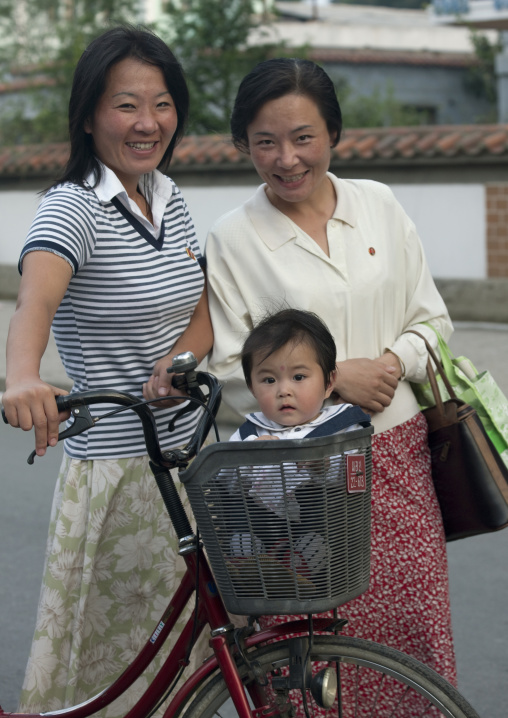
187	379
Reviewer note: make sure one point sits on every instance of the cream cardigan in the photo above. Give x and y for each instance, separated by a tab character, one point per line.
375	284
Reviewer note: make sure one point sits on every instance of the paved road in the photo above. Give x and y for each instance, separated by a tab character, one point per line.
478	566
26	493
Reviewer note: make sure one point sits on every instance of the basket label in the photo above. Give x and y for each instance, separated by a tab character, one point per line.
355	472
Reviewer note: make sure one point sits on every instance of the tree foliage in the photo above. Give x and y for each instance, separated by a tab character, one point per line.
210	38
40	43
379	109
480	79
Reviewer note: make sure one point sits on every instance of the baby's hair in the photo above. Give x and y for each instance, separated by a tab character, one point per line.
290	326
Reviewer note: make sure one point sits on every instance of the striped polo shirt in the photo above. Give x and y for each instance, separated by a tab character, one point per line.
132	293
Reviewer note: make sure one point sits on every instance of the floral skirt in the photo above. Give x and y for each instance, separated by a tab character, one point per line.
407	604
111	565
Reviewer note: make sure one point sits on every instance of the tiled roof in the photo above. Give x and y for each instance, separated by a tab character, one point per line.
429	144
33	160
426	145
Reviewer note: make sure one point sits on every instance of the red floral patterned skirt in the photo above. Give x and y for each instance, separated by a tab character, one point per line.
407	605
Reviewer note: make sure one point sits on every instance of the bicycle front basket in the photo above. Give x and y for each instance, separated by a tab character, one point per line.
286	524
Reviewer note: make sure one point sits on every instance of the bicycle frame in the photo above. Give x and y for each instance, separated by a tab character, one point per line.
230	647
211	611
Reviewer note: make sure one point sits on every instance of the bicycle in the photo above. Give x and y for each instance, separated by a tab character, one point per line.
257	569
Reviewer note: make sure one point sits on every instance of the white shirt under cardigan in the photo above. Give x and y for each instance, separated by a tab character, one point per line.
374	285
272	428
129	299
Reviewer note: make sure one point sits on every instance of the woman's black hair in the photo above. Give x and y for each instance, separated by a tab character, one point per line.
89	83
289	326
275	78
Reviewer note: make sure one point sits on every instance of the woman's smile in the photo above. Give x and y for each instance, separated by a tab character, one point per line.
141	145
292	179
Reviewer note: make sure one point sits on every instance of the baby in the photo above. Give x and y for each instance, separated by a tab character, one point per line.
289	365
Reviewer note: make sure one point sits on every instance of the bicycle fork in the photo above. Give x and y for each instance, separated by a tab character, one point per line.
292	674
277	704
219	643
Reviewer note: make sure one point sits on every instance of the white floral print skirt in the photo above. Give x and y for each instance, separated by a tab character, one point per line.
111	565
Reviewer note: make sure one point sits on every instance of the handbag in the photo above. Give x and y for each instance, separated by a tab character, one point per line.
470	479
480	390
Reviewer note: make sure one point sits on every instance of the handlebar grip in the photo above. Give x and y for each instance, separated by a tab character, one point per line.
62	402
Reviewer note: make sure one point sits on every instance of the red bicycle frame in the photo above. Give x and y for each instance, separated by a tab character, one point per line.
211	611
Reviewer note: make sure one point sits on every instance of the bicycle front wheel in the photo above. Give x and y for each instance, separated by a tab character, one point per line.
373	682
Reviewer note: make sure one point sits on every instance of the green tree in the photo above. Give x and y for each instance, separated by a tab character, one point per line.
40	43
480	78
379	109
210	38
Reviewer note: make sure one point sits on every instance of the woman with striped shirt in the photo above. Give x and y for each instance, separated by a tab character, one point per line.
112	263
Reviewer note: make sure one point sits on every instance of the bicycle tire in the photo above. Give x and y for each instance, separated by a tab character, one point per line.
416	690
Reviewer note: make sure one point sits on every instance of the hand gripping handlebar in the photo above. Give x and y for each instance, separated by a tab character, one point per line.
186	378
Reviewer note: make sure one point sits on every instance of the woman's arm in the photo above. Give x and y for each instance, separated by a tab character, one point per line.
28	401
197	338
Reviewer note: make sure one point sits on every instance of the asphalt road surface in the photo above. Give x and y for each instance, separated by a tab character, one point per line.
478	566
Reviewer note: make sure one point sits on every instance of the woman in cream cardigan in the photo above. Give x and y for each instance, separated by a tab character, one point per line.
346	250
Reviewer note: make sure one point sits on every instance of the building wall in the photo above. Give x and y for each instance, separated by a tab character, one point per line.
439	88
451	221
497	229
17	209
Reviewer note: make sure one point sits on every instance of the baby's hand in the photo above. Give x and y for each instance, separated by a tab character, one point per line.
266	437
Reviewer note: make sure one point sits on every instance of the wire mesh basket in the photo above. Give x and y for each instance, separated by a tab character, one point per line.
286	524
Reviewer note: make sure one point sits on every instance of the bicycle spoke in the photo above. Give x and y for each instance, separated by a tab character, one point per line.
376	698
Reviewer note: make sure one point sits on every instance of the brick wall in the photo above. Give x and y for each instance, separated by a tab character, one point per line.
497	229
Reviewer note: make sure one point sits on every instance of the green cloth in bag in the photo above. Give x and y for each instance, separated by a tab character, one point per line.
479	389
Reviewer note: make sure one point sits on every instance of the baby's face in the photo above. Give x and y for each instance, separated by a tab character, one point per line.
289	384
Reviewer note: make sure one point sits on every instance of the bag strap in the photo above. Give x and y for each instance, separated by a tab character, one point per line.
431	373
489	454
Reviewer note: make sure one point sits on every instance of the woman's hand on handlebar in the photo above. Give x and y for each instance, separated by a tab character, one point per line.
369	383
160	384
31	404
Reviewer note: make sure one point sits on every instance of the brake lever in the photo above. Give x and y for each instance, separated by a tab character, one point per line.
82	422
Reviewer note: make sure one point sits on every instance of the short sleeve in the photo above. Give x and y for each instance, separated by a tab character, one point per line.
65	224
